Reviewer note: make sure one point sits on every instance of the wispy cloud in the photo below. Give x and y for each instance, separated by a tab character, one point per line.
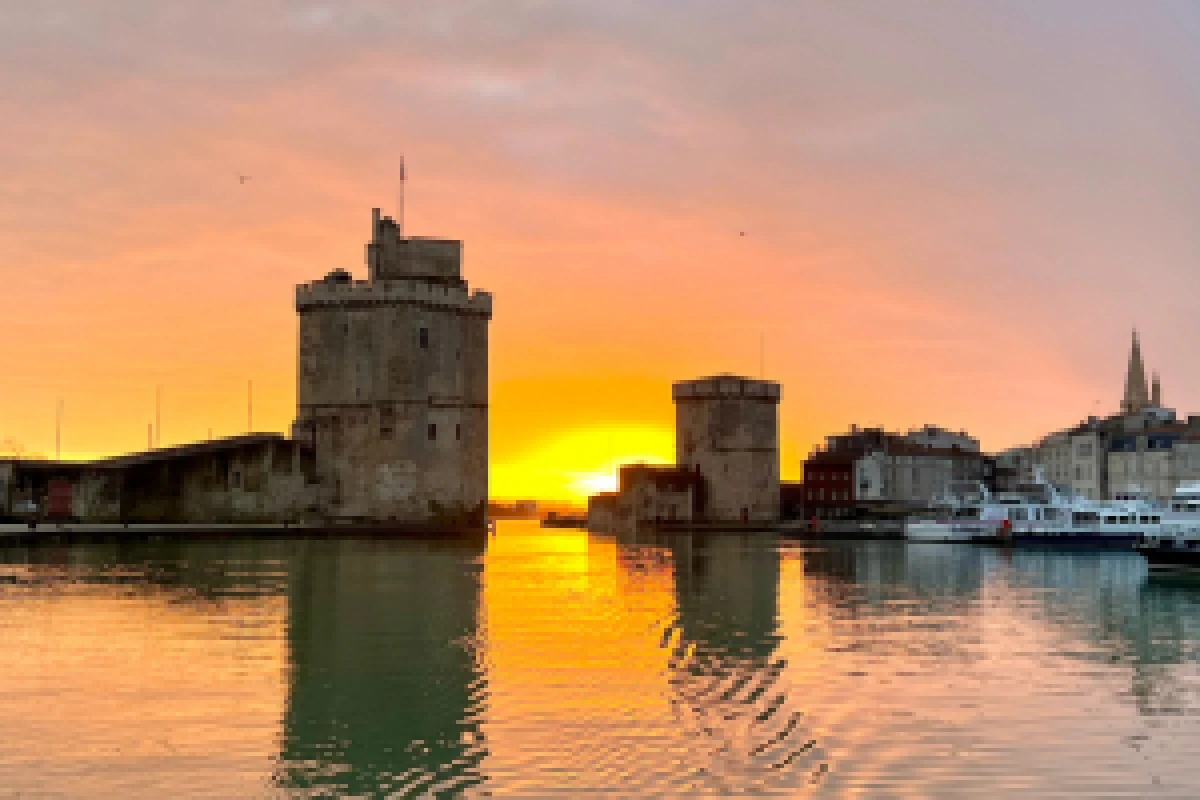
893	189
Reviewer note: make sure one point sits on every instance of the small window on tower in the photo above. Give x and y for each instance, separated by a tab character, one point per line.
458	431
424	337
432	431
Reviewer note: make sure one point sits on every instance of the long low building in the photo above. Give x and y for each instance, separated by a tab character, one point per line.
253	478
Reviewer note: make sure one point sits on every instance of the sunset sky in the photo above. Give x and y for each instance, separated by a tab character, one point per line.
952	212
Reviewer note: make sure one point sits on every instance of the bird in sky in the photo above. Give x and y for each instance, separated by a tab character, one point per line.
243	178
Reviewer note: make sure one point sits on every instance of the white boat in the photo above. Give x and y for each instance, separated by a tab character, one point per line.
962	513
1176	544
1039	514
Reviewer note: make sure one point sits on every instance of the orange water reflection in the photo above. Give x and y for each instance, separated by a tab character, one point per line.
554	663
557	607
634	667
112	685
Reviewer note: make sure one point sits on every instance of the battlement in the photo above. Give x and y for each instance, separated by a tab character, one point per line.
339	290
722	386
391	255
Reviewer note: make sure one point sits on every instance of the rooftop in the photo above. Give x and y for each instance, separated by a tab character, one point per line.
229	443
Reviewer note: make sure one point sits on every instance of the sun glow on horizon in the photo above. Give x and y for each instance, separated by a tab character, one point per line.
582	462
595	483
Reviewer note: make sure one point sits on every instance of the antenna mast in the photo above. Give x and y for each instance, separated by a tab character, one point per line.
400	209
58	430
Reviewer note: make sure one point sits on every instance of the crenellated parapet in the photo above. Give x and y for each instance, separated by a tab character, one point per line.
336	292
720	386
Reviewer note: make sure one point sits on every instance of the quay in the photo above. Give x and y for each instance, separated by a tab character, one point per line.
64	532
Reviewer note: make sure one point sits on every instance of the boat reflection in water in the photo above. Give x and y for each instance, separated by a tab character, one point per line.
543	662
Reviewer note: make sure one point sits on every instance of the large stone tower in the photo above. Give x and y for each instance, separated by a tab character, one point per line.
727	428
393	384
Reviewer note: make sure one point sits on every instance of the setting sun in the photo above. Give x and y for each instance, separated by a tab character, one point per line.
569	467
595	483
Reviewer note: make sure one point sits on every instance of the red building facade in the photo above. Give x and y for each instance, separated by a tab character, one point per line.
829	485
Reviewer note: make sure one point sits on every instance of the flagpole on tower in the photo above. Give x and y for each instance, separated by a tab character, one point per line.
400	210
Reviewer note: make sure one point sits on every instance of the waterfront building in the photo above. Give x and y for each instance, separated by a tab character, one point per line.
1013	468
392	384
255	478
872	471
932	436
791	500
648	495
1075	458
1155	460
1141	449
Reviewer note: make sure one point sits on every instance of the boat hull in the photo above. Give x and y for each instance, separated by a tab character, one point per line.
1170	558
947	532
1113	541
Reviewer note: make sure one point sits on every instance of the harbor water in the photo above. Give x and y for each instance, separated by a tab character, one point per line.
547	662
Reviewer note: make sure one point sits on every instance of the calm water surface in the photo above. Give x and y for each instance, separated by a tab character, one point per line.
558	663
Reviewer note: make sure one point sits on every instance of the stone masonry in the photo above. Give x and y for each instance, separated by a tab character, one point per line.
393	384
727	428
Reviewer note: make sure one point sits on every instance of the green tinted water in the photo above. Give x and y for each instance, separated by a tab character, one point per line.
557	663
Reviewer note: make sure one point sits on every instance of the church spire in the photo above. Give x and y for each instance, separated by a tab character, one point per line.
1137	395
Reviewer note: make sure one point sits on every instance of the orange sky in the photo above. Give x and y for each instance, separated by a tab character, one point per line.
951	215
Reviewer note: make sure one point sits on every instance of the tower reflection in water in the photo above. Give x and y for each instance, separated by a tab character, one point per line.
644	665
556	663
385	686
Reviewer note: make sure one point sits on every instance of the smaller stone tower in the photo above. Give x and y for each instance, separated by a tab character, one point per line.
727	429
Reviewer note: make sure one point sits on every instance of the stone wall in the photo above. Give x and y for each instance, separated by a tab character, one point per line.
261	478
392	256
393	385
6	488
267	479
727	427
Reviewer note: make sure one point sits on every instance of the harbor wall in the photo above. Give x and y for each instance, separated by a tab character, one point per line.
263	478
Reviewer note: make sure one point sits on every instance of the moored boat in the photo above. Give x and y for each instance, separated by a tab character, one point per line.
1036	514
1176	545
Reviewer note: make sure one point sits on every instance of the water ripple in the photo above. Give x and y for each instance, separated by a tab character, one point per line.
562	664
